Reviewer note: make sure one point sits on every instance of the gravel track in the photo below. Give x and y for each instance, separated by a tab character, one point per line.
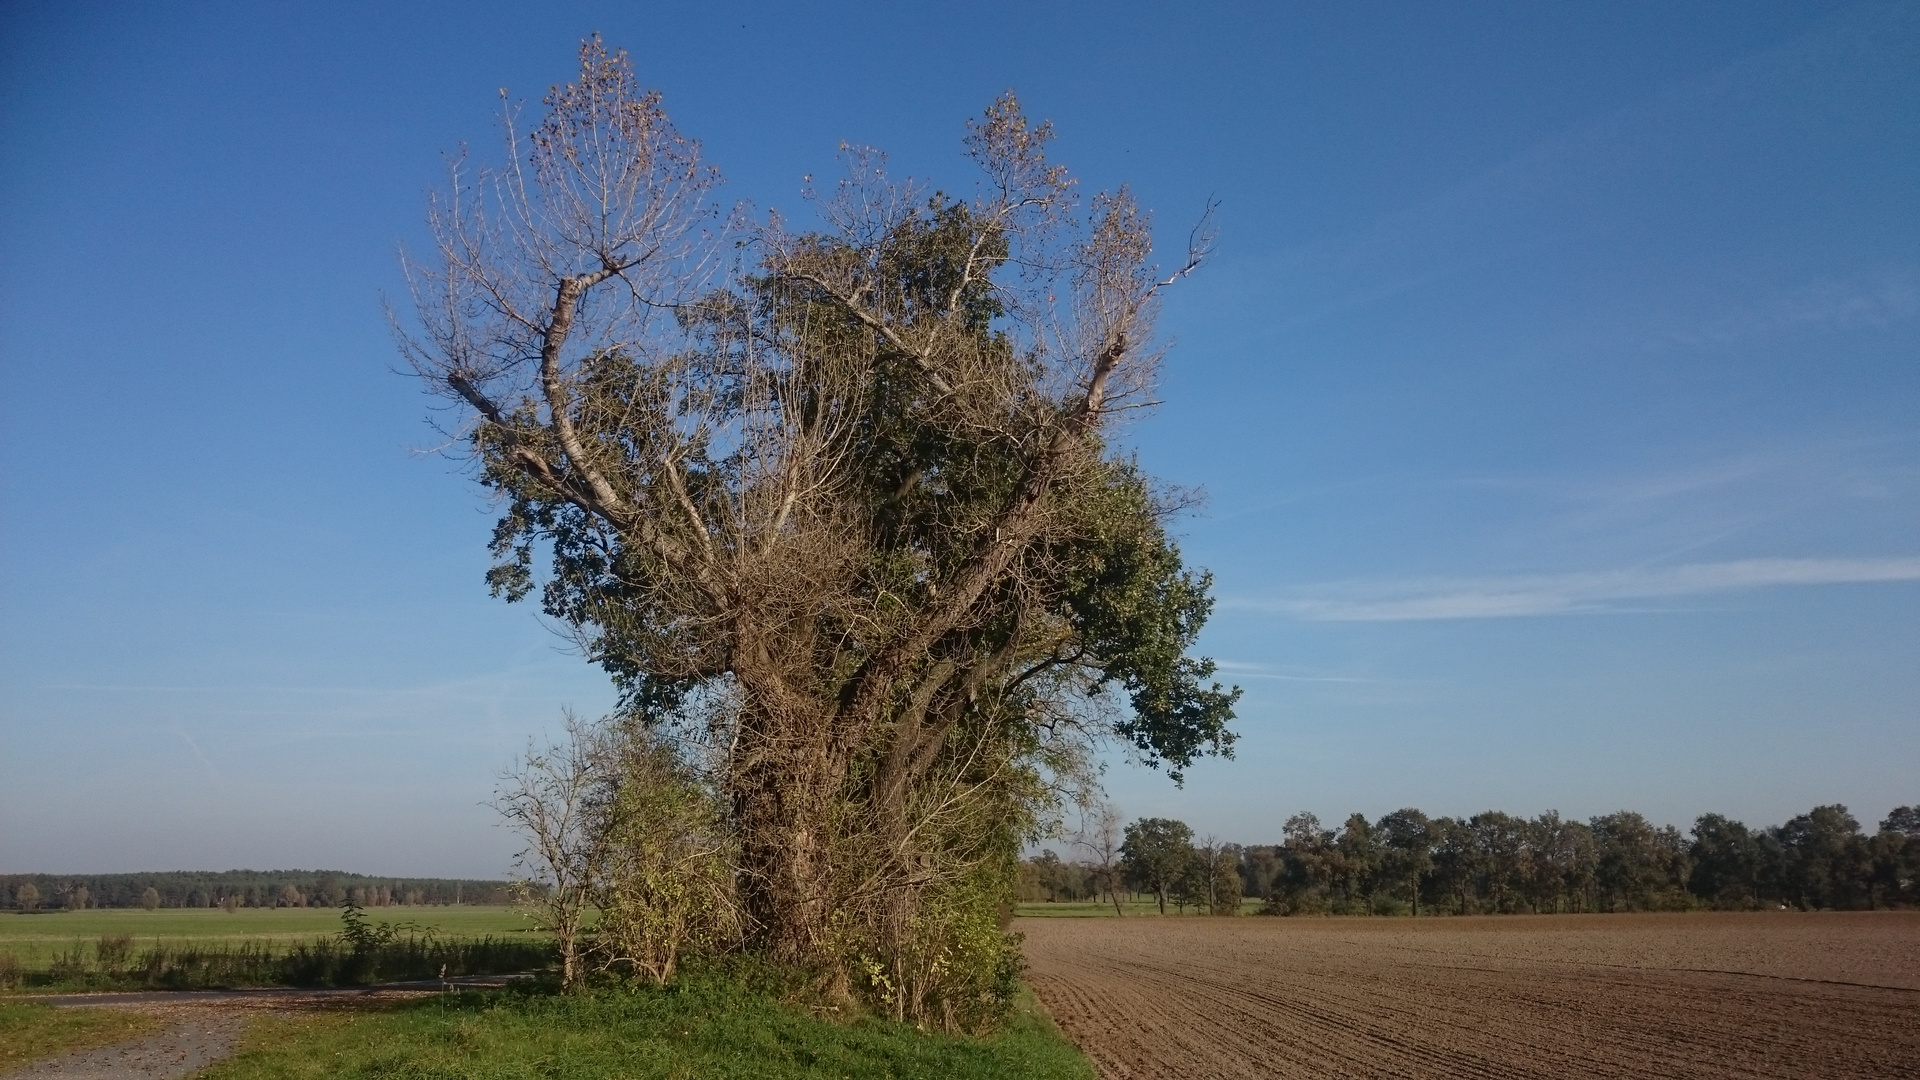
1695	996
203	1026
195	1037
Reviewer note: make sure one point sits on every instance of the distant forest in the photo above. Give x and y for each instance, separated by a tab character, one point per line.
238	888
1495	863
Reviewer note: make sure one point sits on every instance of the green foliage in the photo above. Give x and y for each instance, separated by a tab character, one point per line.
1498	863
1154	855
1406	852
1638	867
1223	882
362	935
1307	868
1820	853
663	873
1189	886
1137	610
111	951
1054	880
955	968
1726	862
706	1026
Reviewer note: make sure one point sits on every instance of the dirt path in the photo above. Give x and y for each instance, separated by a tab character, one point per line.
203	1026
195	1038
1616	996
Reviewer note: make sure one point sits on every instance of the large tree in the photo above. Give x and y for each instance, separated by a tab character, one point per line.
1406	840
1726	859
840	502
1156	852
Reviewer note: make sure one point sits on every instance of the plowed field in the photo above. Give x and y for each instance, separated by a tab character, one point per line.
1765	995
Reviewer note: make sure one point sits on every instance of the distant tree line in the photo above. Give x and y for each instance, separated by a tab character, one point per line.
238	888
1406	863
1157	857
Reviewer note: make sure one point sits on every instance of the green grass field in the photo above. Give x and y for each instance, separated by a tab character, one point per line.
37	939
701	1028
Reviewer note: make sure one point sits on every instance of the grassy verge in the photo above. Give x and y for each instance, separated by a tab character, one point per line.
702	1028
29	1032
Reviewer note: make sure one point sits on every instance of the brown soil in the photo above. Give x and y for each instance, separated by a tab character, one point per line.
1701	995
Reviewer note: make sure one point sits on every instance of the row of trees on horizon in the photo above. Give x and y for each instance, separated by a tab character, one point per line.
233	889
1406	863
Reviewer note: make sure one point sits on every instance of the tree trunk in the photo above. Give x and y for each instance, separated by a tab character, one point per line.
568	962
781	806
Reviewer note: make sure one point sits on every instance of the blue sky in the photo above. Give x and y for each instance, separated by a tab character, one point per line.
1556	391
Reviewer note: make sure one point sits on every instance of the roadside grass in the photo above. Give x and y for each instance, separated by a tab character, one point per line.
702	1027
29	1031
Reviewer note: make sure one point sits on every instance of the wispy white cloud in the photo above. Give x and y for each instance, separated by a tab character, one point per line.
1554	191
1241	670
1574	593
1891	297
1796	494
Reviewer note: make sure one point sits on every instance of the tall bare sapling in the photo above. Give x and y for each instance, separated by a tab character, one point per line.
546	799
